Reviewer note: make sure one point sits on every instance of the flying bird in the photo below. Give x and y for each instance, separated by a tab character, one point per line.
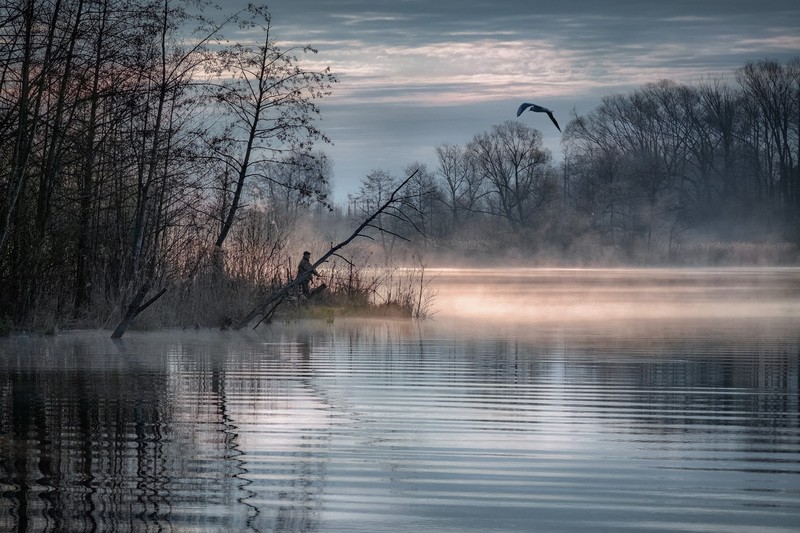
538	109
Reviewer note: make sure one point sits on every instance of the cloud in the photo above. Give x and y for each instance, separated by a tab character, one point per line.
448	73
367	18
448	55
416	73
777	43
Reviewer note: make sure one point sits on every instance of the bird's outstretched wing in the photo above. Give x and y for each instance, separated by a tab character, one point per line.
522	108
549	114
538	109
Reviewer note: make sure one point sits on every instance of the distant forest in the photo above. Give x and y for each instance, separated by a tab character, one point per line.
670	172
143	154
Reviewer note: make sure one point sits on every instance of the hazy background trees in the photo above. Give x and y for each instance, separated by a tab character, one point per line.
715	160
671	172
516	173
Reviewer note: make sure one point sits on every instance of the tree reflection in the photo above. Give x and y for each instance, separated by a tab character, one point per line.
149	434
210	431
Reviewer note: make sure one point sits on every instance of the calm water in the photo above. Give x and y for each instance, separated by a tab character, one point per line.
536	400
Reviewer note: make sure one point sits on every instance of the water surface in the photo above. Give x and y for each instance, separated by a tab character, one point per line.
536	400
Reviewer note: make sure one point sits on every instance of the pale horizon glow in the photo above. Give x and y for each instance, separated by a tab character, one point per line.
529	296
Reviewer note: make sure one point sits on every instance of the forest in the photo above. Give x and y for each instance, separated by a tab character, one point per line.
146	159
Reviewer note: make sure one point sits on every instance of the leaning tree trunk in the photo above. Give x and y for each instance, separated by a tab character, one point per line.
276	297
135	307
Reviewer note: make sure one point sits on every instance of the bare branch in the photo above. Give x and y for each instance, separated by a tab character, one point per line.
282	292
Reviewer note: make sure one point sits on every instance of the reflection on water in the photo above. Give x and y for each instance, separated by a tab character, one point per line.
684	418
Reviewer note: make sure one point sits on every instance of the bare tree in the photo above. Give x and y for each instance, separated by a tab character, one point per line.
375	188
271	102
459	182
168	79
422	199
774	91
722	112
516	170
22	81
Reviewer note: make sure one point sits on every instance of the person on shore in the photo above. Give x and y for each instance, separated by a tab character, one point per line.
304	266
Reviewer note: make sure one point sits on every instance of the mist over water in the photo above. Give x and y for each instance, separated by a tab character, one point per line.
519	295
535	400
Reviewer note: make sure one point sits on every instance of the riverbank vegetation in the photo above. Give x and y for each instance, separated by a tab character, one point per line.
146	165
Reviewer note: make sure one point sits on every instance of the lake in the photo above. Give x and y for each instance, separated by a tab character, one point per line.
553	400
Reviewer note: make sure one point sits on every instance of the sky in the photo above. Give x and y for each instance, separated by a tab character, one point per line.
416	74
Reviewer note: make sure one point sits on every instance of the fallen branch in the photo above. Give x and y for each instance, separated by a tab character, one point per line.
277	296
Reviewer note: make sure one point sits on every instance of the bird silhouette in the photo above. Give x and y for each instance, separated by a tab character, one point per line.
538	109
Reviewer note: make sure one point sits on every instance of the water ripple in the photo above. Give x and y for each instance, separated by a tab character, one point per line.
375	426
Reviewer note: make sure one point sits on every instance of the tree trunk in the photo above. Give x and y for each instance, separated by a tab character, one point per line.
135	308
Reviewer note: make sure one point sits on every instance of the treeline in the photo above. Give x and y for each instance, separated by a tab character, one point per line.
140	147
144	152
661	173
